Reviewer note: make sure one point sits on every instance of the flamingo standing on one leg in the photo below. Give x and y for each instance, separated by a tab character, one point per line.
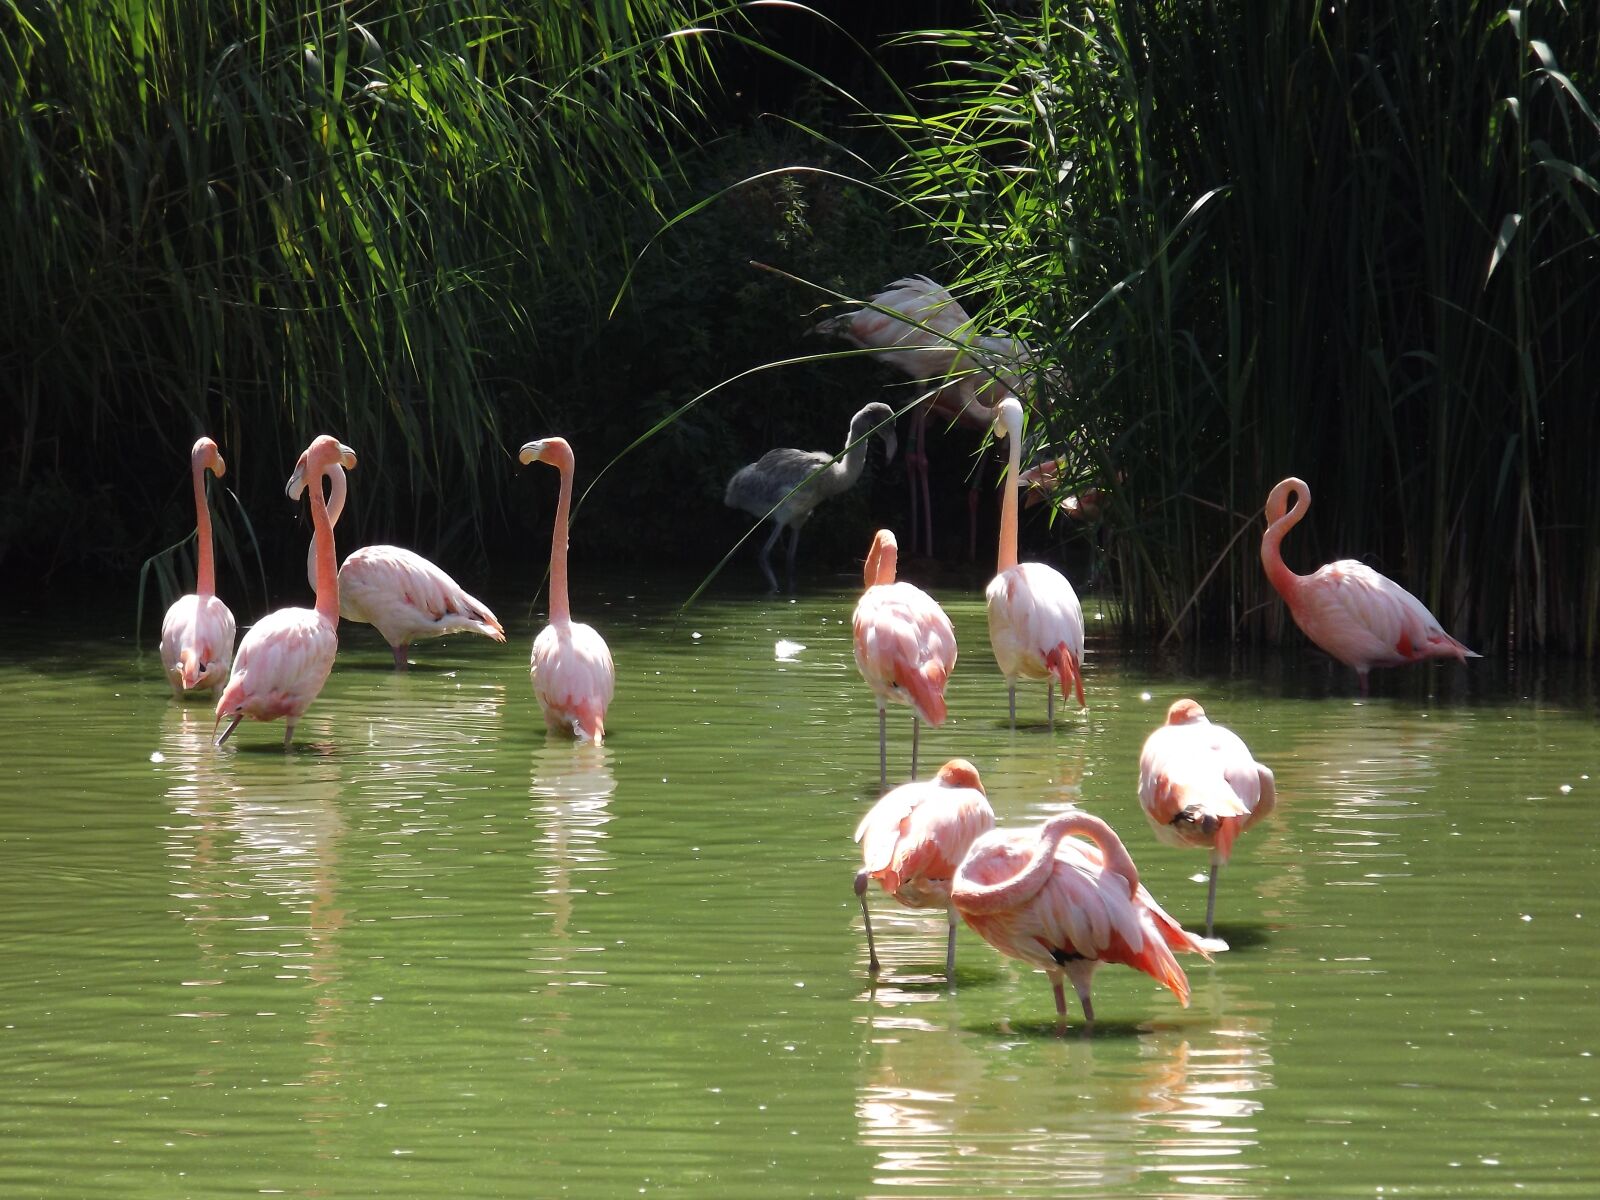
286	656
912	840
1200	786
905	647
197	632
1068	906
787	485
400	593
573	678
1035	621
1360	617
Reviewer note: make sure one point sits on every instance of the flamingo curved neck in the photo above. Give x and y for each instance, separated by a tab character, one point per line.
205	583
1282	578
881	562
1026	883
322	547
1008	503
560	609
842	475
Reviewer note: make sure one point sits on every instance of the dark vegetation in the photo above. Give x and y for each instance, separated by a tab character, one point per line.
1354	243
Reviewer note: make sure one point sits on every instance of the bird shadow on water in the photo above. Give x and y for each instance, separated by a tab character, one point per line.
1053	1029
279	750
1240	937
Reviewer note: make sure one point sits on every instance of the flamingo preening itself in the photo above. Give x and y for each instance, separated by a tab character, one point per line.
573	677
1360	617
197	632
1200	786
787	485
912	840
286	656
400	593
1035	620
905	647
917	327
1067	905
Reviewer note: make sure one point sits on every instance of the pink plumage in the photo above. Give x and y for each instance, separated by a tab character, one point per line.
913	839
197	632
1358	616
1035	620
1068	906
286	656
402	595
573	676
1200	786
905	646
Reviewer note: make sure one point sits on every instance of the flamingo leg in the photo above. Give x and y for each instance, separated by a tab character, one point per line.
400	663
288	731
794	546
1211	899
912	457
1361	678
972	508
765	558
916	732
1013	693
1061	996
1050	701
232	725
866	918
883	748
927	501
950	953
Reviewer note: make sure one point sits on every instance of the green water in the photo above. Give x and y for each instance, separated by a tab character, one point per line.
431	953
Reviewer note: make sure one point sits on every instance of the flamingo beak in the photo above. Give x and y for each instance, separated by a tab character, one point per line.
297	481
531	452
891	443
347	457
189	670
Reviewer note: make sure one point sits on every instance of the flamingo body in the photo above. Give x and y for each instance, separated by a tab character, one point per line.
286	657
197	643
404	596
198	630
1067	906
913	839
573	676
905	646
1199	786
573	679
1356	615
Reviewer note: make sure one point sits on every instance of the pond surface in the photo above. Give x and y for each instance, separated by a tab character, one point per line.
431	953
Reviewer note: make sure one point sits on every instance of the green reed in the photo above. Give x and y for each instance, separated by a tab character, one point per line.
266	220
1353	243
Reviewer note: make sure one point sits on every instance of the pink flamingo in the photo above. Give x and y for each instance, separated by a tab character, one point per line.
1068	906
1199	786
400	593
286	656
913	838
905	647
1035	621
1360	617
572	673
917	327
197	632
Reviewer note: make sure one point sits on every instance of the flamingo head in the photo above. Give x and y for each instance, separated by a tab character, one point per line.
553	450
880	417
1278	499
959	773
206	457
326	451
1008	418
881	559
1185	712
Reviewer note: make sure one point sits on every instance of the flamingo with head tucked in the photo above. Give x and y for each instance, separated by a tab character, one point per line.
1067	906
787	484
905	647
286	656
1200	786
1035	620
400	593
913	839
1360	617
197	632
573	677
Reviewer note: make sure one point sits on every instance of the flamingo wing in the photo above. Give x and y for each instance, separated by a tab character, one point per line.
573	678
1365	619
281	666
905	647
1036	624
780	479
